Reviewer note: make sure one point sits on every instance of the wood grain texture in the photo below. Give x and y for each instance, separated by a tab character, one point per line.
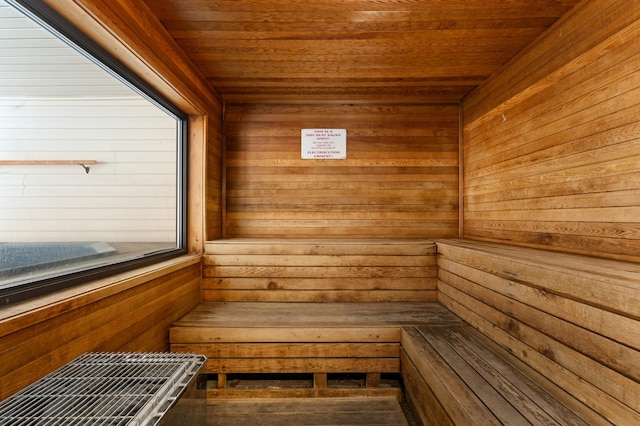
400	178
213	154
120	314
570	318
355	51
320	338
475	382
551	147
313	270
420	397
285	411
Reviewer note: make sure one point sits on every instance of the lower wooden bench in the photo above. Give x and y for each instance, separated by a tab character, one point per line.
318	339
455	376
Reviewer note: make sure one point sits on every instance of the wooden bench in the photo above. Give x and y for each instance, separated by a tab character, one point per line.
568	322
547	338
317	270
315	338
456	376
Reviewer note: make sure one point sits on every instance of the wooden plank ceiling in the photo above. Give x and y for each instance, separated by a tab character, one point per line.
353	50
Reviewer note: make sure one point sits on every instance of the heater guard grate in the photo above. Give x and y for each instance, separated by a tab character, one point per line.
104	389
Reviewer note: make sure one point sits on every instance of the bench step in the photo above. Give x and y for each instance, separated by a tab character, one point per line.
303	338
468	382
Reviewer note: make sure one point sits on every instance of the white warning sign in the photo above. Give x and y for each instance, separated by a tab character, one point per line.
324	144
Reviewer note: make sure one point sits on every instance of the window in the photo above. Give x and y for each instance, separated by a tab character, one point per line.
92	164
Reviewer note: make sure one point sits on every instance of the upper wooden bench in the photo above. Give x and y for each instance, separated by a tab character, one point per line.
571	322
319	270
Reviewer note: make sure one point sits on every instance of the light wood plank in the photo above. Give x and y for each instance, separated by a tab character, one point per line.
351	247
291	350
537	133
296	209
302	283
303	365
293	335
291	260
239	314
460	403
311	296
572	390
531	400
424	404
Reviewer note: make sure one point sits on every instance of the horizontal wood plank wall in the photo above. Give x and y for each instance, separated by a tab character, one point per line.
573	319
400	178
319	270
551	145
134	314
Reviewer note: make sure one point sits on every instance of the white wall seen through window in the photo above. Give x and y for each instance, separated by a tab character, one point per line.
88	167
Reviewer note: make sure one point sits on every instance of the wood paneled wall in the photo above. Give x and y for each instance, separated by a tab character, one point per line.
115	314
573	319
335	270
552	144
400	178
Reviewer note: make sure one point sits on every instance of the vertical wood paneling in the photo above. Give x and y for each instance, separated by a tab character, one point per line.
214	177
552	146
400	178
131	315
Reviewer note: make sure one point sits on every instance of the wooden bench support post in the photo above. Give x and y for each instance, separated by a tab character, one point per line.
320	380
373	380
222	381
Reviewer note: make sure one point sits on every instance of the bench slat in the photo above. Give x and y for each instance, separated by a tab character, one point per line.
611	285
528	398
466	369
291	350
615	357
524	340
420	397
461	404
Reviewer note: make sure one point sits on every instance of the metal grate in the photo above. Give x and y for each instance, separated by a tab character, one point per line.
104	389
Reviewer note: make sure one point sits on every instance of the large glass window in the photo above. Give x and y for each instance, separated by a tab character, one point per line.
91	160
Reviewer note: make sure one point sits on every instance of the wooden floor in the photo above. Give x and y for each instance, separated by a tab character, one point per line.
306	411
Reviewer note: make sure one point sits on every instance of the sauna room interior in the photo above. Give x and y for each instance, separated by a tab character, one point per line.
425	212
